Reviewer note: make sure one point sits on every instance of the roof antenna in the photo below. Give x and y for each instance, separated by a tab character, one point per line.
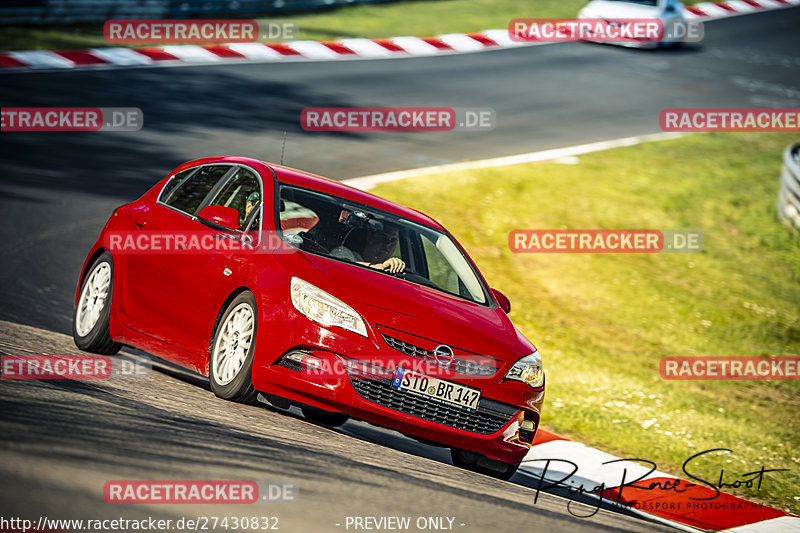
283	146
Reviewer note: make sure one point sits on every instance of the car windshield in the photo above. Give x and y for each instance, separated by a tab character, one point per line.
358	234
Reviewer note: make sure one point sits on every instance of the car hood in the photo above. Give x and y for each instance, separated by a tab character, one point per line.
384	300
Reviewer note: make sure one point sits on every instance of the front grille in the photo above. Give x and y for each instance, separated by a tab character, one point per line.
490	417
461	366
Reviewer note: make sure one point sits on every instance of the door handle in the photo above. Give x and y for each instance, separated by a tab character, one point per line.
140	222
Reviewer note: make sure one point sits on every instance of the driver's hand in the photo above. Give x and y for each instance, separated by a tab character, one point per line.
393	265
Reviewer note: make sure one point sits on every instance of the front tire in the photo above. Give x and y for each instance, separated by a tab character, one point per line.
231	356
90	322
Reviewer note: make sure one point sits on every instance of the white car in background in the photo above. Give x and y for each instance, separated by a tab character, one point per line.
669	12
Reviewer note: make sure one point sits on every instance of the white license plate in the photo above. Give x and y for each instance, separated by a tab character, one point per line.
446	391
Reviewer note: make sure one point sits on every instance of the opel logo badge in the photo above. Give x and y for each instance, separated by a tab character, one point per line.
444	355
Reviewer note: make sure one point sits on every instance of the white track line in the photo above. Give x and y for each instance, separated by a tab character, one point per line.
782	524
368	182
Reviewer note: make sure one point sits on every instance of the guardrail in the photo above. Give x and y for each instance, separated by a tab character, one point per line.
72	11
789	192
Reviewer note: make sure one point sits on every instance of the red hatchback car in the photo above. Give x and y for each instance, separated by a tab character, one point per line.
313	293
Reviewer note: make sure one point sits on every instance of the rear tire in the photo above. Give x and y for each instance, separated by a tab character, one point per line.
326	418
90	329
475	462
230	366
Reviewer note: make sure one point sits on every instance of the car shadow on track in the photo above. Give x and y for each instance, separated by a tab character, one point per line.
581	504
366	432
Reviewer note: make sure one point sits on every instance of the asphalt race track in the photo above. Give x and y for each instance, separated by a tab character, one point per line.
63	439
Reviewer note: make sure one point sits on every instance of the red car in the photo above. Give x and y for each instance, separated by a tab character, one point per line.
275	281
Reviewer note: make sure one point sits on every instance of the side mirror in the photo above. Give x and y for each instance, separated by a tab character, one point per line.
227	217
502	299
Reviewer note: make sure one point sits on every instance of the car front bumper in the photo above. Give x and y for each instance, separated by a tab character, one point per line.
495	429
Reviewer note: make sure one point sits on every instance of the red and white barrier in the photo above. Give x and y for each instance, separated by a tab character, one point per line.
655	493
346	49
732	8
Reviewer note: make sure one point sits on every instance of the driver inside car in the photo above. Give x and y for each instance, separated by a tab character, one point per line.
251	202
378	247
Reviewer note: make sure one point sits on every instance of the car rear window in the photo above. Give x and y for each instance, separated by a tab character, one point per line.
186	192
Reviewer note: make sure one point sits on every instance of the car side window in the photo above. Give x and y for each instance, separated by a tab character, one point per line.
439	270
187	194
242	192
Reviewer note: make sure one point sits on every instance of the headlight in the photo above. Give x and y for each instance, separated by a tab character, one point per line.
528	370
324	309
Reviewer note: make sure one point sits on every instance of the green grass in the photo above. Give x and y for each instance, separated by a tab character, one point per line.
420	17
603	321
